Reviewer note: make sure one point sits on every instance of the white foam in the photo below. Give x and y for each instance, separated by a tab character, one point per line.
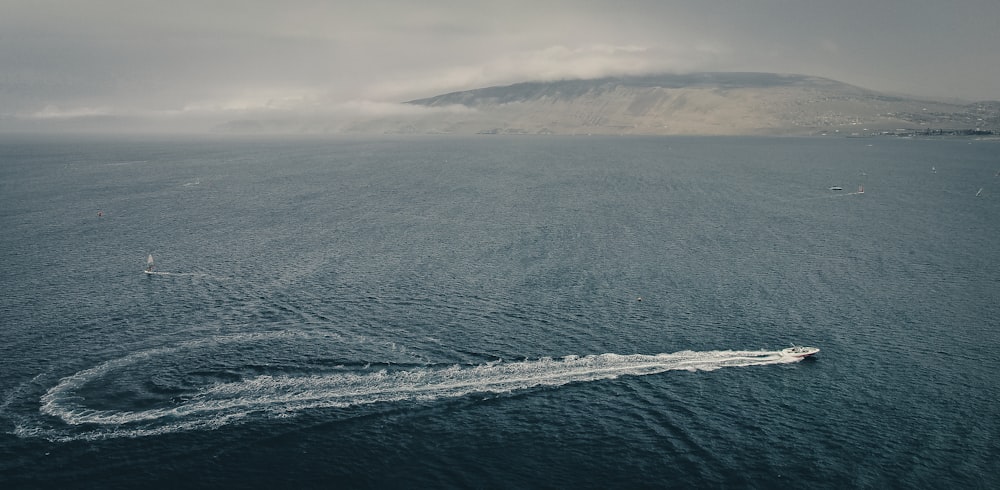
225	403
182	274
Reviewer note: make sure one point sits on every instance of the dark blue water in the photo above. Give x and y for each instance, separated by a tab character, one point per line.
464	312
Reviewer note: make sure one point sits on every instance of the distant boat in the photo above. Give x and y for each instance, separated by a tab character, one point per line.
980	192
836	188
149	264
861	189
799	351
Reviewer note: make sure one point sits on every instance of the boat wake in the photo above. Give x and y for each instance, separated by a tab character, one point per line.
861	190
840	194
179	274
218	403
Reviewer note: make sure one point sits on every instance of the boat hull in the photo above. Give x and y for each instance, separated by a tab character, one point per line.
799	351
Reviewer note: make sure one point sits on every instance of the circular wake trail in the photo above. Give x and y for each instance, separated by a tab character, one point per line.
222	403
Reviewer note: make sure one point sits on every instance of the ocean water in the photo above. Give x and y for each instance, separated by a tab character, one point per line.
499	312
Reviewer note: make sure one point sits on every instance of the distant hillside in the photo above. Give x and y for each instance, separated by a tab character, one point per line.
700	103
695	104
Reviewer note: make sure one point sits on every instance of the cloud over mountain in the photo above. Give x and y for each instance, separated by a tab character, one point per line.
703	103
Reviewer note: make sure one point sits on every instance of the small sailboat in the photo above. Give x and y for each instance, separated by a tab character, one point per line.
149	264
980	192
861	189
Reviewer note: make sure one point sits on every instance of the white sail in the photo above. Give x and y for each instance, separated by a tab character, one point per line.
149	264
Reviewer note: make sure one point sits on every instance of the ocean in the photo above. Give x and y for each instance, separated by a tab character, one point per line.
499	312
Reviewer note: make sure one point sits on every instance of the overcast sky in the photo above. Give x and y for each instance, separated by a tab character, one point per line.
211	60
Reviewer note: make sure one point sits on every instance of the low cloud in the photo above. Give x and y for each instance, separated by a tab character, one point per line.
369	108
555	62
55	113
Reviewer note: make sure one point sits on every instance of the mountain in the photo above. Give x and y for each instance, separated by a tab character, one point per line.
665	104
700	103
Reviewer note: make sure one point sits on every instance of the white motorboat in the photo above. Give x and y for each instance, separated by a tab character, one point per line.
799	351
